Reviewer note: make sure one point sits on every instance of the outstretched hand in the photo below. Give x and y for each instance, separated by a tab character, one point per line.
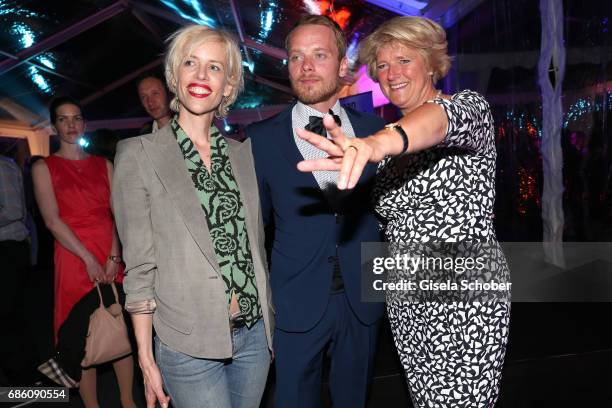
347	155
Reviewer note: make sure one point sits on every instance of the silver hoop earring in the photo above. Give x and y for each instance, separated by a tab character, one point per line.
219	112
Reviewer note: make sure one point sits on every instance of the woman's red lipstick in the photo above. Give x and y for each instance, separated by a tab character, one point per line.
199	90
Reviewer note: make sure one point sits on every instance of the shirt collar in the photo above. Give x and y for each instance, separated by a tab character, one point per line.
182	138
304	110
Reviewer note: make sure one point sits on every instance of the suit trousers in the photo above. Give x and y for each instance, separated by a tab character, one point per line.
299	359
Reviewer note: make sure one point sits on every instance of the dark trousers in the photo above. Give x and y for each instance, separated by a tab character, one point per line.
299	359
15	358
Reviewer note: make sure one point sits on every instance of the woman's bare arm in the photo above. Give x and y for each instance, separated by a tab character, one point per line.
45	197
425	127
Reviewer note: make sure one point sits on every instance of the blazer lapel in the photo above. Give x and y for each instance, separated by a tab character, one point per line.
243	170
357	121
169	165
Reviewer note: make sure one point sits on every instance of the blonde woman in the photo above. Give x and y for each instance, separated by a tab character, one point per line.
435	184
188	216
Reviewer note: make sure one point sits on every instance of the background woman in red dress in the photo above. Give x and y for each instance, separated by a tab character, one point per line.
73	192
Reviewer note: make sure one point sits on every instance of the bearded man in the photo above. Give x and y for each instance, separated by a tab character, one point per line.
318	230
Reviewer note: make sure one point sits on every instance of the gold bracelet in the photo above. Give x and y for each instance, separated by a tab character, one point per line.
398	128
115	258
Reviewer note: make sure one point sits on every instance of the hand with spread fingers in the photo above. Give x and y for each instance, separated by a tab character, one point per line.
347	155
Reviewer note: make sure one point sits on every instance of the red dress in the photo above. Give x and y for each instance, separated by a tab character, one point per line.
82	192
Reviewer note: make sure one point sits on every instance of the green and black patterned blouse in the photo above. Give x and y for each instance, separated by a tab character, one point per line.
220	199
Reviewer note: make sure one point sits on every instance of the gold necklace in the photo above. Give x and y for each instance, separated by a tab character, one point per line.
438	94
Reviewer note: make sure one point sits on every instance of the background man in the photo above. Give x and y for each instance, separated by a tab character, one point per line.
154	98
15	256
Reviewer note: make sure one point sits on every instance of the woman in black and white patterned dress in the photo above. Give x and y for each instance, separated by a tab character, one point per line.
436	184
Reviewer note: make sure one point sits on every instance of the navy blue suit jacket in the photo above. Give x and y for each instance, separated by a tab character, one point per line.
307	228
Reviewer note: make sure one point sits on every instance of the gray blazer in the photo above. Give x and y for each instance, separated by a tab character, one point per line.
167	246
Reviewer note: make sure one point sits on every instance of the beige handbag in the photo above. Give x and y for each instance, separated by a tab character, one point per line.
107	336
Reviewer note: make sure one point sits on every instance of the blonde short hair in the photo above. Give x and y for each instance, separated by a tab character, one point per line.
315	19
180	45
420	33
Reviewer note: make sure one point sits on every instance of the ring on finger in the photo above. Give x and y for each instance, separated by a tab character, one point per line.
353	146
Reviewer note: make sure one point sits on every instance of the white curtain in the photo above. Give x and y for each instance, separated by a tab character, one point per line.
552	65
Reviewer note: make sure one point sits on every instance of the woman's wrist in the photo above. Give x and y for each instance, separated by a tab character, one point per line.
145	359
88	258
395	129
384	144
392	141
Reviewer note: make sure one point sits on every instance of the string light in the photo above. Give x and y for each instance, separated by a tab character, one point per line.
201	18
584	106
267	20
575	112
39	80
47	59
26	35
528	191
523	122
16	11
529	180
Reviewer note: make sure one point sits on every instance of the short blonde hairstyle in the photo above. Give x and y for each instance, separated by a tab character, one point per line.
182	43
419	33
316	19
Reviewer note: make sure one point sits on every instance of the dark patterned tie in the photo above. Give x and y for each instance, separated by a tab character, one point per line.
315	124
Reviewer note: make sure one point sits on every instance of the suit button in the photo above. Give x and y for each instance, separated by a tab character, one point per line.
331	259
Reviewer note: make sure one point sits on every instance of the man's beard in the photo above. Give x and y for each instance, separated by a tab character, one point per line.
315	94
